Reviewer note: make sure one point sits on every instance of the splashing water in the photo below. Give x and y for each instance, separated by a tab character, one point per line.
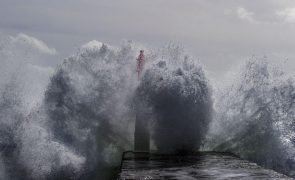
27	149
177	94
90	101
76	123
255	116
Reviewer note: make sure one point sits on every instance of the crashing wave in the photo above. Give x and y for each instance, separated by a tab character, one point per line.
255	117
88	102
176	92
87	116
25	143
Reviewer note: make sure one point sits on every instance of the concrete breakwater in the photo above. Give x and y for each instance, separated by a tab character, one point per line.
203	165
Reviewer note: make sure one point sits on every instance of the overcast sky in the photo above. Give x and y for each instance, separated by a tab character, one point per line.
221	33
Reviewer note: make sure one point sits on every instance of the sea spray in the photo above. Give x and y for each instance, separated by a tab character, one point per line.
255	116
178	96
25	143
87	117
89	104
93	99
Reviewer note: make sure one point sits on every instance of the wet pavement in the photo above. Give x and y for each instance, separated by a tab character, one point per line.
204	165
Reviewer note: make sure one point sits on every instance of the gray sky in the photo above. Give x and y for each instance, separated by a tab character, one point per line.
221	33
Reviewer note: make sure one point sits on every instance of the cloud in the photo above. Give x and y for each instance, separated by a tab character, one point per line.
22	48
218	32
287	14
246	15
34	43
